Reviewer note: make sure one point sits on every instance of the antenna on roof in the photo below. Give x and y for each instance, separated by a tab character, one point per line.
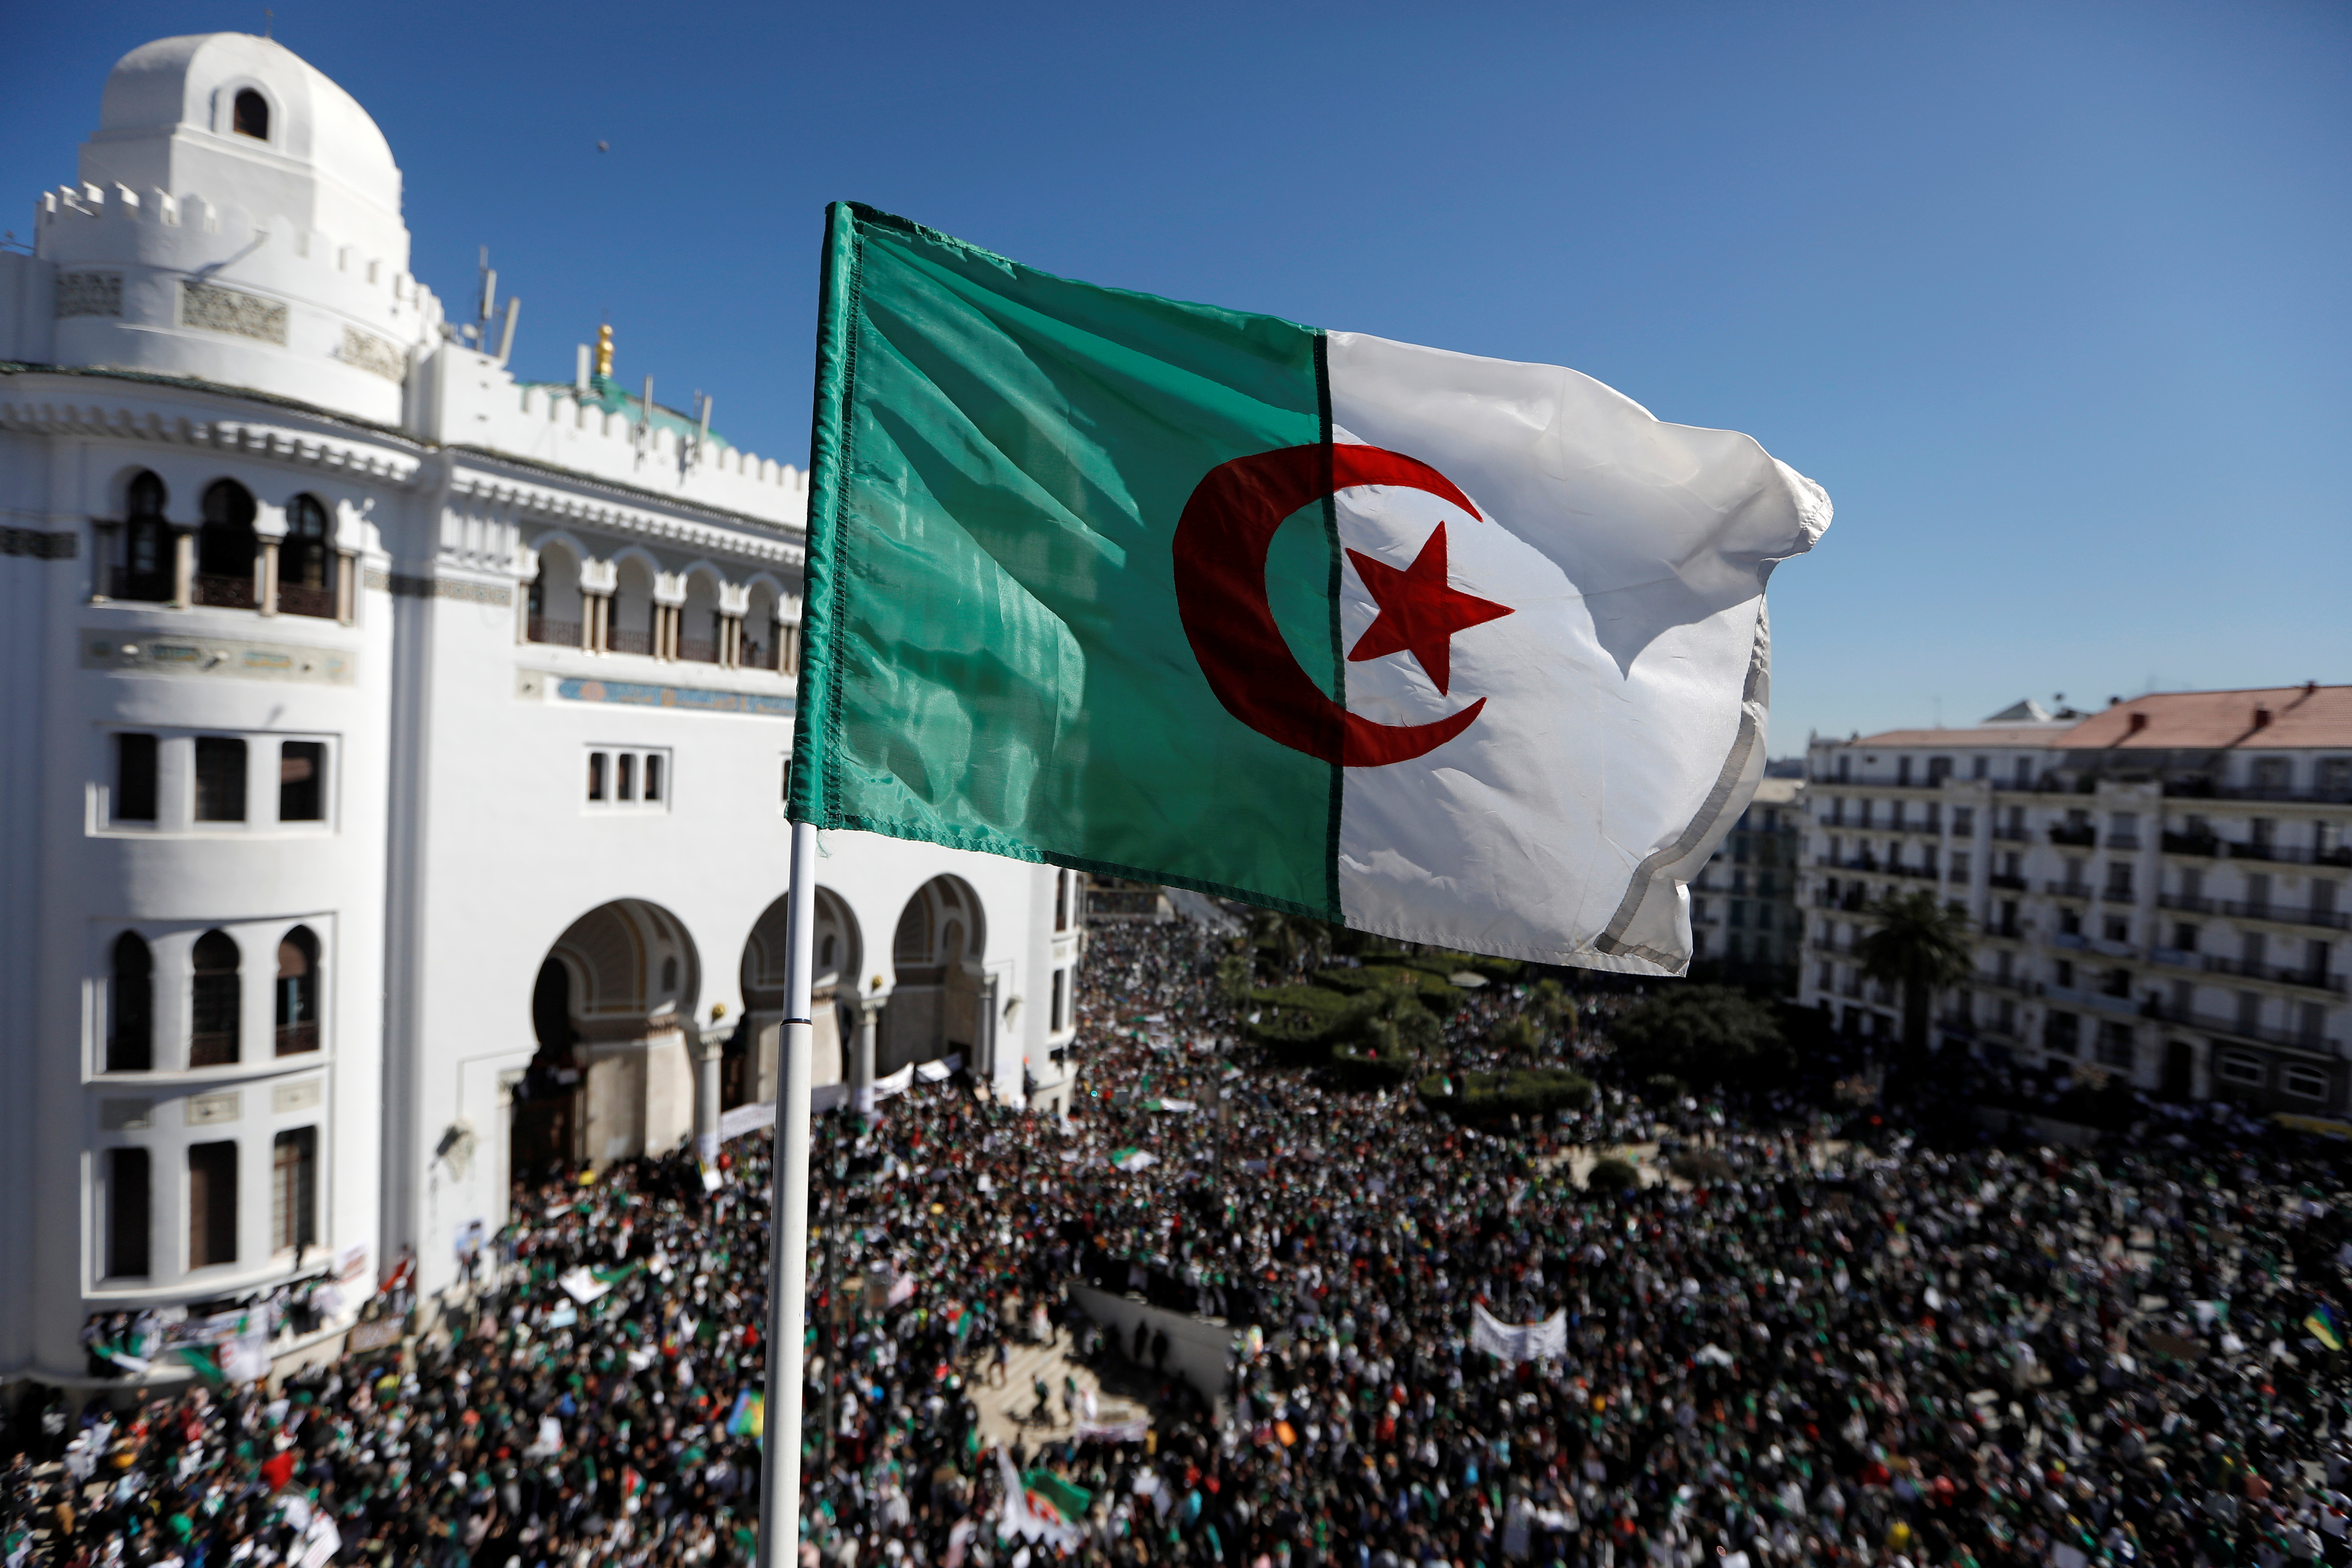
489	292
506	337
269	21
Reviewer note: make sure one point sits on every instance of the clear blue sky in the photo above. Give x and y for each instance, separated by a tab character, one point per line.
2052	296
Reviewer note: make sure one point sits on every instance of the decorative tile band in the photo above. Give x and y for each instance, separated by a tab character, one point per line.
689	699
370	353
219	656
40	546
217	309
89	294
400	586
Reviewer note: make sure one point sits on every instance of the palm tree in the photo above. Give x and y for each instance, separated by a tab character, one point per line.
1923	946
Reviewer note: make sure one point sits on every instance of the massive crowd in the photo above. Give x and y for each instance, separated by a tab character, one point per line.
1805	1348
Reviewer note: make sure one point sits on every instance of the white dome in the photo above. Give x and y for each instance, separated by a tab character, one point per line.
168	122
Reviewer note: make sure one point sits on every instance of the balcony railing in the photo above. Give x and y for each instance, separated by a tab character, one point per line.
2098	1001
141	587
296	599
2277	974
2198	789
2086	837
2018	834
758	657
2003	880
698	652
225	593
212	1048
2070	890
2339	856
293	1039
2213	1023
2278	914
2123	840
630	642
2204	844
561	634
1929	872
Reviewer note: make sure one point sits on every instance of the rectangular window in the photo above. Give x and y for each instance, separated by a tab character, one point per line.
1960	865
652	776
1061	999
220	779
128	1194
1964	821
2240	1068
2303	1081
2064	1034
596	775
2119	879
1980	767
2115	1046
302	780
1061	900
293	1189
134	781
212	1204
624	776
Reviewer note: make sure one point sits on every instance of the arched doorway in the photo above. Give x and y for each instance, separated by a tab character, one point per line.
747	1072
609	1005
934	1008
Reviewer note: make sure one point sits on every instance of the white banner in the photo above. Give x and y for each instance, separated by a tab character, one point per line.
1546	1341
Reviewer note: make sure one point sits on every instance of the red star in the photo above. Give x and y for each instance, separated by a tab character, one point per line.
1420	611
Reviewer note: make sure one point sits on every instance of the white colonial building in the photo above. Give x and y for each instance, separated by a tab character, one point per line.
397	750
2157	887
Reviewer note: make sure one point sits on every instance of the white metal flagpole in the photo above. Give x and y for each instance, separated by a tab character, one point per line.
780	1464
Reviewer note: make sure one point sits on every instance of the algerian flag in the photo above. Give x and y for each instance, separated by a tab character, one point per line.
1132	1159
1453	650
1031	1512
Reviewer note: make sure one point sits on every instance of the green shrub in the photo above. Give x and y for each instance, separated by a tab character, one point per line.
1487	1095
1435	992
1375	1056
1612	1175
1297	1021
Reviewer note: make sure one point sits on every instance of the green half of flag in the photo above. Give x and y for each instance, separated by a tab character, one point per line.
994	656
205	1359
1047	1490
2323	1326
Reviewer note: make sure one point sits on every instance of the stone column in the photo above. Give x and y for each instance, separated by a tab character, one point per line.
347	586
266	596
184	565
708	1047
867	1011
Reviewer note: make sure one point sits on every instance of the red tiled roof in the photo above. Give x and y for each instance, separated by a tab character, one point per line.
2207	721
1961	740
2300	717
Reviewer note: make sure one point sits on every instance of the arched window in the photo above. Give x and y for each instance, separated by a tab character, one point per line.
226	547
298	991
252	118
913	942
306	562
215	1013
669	976
130	1037
147	543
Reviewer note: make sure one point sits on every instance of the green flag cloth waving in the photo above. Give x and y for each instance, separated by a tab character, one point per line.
993	658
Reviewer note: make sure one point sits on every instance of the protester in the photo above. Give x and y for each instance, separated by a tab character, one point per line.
1800	1349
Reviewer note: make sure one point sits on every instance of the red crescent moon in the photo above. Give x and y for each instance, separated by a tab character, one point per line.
1220	545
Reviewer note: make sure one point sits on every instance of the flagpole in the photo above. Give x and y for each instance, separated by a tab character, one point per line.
779	1458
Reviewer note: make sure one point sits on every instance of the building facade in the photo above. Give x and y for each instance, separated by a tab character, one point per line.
400	748
1745	928
2157	887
